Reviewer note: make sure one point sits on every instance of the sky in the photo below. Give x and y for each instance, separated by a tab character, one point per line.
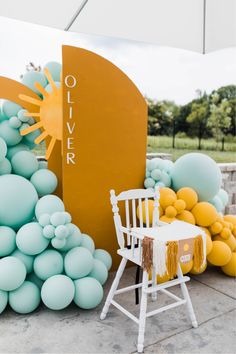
159	72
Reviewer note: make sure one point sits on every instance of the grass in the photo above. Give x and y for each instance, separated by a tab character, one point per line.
163	144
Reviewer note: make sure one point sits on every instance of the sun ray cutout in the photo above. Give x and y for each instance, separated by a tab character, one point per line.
49	116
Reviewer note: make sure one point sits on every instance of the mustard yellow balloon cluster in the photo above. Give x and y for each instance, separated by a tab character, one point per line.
220	230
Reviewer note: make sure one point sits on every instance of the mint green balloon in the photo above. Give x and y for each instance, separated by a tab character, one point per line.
44	181
165	179
149	182
78	262
55	69
25	299
10	135
5	167
15	122
24	163
88	293
25	258
48	204
197	171
217	203
31	77
48	88
88	243
48	230
99	271
156	174
30	239
74	240
58	218
47	264
58	243
43	165
3	149
7	241
30	138
103	256
12	150
58	292
17	201
10	109
21	116
32	277
224	196
3	300
12	273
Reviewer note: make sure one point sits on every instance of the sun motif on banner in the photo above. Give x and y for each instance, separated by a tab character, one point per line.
50	115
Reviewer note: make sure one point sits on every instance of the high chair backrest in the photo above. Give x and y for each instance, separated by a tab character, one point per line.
134	199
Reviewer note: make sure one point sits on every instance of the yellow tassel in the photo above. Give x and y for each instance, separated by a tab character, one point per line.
172	258
198	254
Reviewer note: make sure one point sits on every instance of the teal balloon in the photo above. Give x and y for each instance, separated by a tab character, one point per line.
32	277
30	239
21	116
10	135
224	197
88	293
58	292
44	181
104	257
99	271
155	163
165	179
26	259
160	184
12	273
31	77
11	151
197	171
48	230
17	201
10	109
58	243
15	122
55	69
30	138
7	241
156	174
43	165
3	149
58	218
61	232
74	240
5	167
149	183
48	88
168	165
44	220
49	204
216	201
88	243
148	174
47	264
3	300
78	262
24	163
25	299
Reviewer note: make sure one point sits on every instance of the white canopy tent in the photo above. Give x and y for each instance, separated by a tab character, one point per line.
198	25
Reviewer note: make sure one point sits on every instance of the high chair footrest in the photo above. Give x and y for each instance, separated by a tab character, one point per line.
168	284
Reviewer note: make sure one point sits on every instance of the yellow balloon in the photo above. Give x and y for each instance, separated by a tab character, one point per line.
206	231
165	218
234	231
230	218
230	268
205	214
170	211
167	197
186	216
189	196
179	205
186	267
216	228
220	254
209	244
194	272
150	211
225	233
231	242
163	279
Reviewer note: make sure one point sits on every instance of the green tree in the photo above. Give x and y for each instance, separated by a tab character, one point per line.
219	120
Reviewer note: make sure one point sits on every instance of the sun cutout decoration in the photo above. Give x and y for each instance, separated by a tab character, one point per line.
50	116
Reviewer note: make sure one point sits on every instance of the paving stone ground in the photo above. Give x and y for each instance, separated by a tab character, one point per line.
76	331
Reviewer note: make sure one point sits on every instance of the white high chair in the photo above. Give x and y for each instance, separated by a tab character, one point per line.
130	244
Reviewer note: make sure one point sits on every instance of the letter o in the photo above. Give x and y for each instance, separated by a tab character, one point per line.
69	78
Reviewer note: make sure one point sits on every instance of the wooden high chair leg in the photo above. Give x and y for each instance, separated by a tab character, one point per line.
142	315
186	296
114	287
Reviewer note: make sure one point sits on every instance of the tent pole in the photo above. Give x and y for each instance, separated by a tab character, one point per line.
77	13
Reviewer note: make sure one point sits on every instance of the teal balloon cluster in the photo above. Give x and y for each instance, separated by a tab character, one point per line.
43	255
194	170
